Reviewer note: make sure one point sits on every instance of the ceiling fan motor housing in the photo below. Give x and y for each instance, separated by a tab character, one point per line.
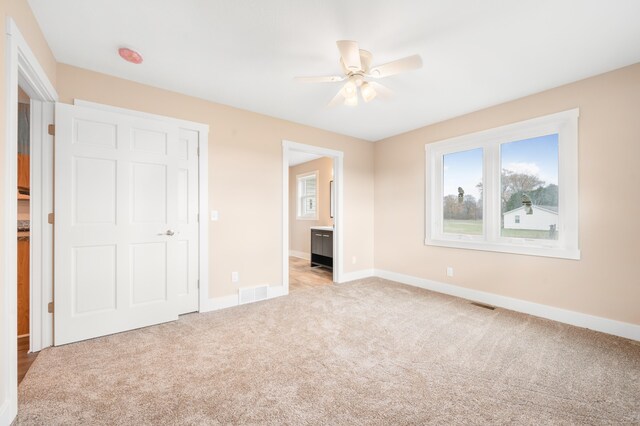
365	61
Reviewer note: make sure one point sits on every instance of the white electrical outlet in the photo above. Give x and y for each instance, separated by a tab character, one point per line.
353	260
235	277
449	271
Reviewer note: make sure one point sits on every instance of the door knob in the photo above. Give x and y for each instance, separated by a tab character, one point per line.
169	232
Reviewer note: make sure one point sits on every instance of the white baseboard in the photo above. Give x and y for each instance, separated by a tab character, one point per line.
217	303
223	302
8	412
617	328
300	254
356	275
277	291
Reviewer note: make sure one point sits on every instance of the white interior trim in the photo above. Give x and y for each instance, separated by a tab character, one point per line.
578	319
21	68
357	275
338	184
41	235
186	124
203	188
231	300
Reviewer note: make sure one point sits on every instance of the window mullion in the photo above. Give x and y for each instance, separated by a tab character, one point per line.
491	191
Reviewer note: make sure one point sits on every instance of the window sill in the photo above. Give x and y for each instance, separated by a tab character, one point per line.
306	218
530	250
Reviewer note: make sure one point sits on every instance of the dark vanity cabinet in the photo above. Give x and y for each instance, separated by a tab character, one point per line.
321	248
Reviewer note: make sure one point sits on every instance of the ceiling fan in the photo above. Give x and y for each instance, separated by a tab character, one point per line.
356	65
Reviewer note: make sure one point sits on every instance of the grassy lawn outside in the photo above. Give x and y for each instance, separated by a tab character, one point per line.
467	227
527	233
474	227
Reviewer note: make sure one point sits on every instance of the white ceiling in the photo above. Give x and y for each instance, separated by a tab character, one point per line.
246	53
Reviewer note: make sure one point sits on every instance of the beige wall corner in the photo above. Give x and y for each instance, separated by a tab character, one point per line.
299	233
21	13
245	176
604	282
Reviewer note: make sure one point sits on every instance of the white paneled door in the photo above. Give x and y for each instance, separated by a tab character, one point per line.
126	232
187	224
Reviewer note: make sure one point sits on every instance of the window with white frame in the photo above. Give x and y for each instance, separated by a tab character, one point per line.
510	189
307	196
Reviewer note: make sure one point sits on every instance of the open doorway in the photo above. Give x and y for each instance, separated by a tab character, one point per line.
23	71
312	211
23	192
311	223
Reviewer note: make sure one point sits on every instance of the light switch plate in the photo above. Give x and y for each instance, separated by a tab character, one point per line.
214	215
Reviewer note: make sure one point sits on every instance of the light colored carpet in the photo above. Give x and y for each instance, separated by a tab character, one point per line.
369	352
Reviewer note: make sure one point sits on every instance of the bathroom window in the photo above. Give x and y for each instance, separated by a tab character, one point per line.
307	187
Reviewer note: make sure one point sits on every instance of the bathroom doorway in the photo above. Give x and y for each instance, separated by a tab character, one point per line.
311	222
312	211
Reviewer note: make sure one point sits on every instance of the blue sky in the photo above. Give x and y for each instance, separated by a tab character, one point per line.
537	156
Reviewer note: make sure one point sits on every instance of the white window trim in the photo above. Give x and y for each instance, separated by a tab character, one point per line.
565	124
302	176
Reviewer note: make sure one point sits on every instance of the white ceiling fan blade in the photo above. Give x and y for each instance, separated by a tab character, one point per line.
327	79
382	91
350	54
396	67
337	99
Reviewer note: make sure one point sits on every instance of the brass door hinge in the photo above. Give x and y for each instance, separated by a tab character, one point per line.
52	129
50	307
50	218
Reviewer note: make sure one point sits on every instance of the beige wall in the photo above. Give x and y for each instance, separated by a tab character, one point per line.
605	282
21	13
299	234
244	148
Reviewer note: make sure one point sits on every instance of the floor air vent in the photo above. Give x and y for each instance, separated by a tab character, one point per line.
482	305
253	294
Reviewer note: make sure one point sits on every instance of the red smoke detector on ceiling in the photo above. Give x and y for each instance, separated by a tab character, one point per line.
130	55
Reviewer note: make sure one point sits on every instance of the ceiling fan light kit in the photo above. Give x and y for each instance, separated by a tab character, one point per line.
356	66
367	91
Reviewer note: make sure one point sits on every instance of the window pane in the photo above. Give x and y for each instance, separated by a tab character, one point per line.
310	185
308	206
307	196
530	188
462	189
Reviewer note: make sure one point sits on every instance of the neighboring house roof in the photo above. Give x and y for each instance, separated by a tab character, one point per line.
548	209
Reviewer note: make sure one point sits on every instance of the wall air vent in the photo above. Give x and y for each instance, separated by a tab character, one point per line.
253	294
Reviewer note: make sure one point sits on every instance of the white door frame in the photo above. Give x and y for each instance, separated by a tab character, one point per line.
338	185
203	188
22	68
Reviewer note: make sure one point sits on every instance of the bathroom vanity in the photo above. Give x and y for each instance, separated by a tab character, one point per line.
322	246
